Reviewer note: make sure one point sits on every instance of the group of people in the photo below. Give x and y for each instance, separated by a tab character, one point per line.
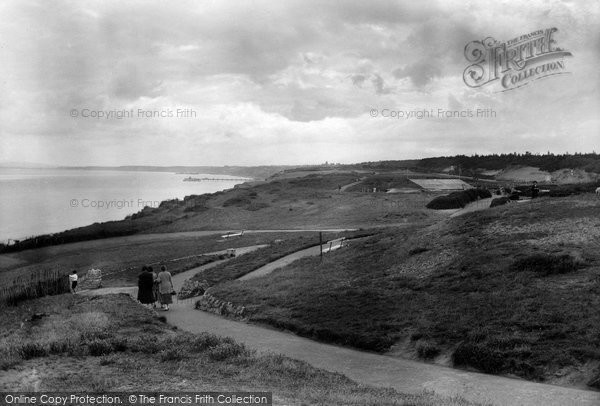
155	288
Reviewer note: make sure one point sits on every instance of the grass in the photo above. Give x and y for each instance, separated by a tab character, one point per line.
512	290
109	343
48	282
121	261
249	262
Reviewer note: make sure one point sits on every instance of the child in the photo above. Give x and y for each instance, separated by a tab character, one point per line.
73	281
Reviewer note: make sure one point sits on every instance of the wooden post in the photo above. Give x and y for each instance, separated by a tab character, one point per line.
321	243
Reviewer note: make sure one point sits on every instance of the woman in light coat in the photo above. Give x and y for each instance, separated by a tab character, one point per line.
165	287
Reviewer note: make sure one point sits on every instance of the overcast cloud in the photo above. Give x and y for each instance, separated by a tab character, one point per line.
282	82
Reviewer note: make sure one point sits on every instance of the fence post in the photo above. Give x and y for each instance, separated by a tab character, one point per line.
321	243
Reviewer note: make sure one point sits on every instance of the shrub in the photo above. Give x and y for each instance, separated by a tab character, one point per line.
499	201
108	359
544	264
458	200
33	350
238	201
92	334
478	355
576	189
175	353
206	341
427	350
146	345
417	250
119	344
595	381
8	361
99	347
257	206
226	350
59	347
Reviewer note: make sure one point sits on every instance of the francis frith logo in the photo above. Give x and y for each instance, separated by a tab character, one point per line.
514	63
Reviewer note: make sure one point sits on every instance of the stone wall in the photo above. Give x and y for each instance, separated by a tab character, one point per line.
211	304
92	280
192	288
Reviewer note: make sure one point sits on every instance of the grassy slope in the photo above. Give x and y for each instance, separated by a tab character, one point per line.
110	343
308	202
112	256
242	265
453	288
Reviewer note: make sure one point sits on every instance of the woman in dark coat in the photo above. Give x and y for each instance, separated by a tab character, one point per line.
145	284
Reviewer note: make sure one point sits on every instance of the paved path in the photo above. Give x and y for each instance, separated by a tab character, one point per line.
288	259
281	262
379	370
369	368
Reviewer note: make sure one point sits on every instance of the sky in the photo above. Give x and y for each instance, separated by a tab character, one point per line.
283	82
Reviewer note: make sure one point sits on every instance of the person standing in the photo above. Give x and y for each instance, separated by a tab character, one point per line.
165	287
73	281
155	287
534	190
145	284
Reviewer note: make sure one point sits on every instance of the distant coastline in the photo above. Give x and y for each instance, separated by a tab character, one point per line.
48	201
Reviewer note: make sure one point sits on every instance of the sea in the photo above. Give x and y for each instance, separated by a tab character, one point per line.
43	201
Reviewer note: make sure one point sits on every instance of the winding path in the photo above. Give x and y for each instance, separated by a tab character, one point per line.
369	368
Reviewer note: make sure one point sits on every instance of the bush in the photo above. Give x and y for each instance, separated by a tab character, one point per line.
595	381
119	344
499	201
33	350
226	350
206	341
59	347
8	361
257	206
576	189
427	350
478	356
175	353
546	265
417	250
99	347
238	201
146	345
458	200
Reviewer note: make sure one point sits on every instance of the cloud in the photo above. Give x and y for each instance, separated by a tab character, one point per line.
270	79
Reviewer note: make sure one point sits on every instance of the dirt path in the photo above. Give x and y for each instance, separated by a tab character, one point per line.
349	185
481	204
369	368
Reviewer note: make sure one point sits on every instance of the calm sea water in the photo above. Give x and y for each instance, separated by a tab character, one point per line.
40	201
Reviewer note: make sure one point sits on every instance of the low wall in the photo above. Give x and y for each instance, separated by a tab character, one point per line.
211	304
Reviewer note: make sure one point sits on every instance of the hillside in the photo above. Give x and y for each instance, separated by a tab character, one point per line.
110	343
511	290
